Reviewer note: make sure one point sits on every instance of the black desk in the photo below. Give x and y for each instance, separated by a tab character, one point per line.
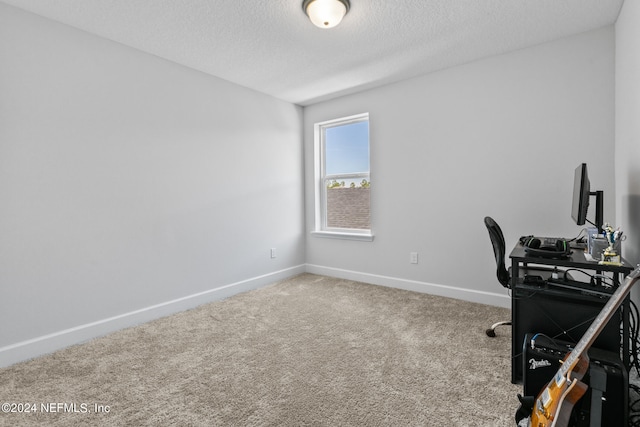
564	312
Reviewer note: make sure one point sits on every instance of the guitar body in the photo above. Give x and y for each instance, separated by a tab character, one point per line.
555	403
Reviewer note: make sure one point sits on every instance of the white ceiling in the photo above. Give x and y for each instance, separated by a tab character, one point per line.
271	46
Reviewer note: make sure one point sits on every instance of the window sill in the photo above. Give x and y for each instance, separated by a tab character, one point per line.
364	237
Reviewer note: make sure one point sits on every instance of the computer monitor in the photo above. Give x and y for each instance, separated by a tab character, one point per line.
581	190
581	194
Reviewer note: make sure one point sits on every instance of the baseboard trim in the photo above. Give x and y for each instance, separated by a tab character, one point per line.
471	295
45	344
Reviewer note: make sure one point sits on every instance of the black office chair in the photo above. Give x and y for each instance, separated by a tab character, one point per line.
504	275
497	241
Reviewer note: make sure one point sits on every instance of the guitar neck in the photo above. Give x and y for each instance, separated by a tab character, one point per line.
601	320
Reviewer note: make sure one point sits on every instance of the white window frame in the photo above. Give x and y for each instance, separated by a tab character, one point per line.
321	228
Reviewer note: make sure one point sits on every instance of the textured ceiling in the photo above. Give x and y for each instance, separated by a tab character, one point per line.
271	46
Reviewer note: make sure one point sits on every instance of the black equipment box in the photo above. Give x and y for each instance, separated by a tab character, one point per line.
559	313
542	361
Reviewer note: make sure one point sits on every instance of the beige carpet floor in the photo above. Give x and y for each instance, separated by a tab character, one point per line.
307	351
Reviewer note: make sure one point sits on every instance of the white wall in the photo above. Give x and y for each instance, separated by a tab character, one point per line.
129	182
627	150
500	137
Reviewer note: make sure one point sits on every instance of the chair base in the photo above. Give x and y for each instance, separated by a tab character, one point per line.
491	332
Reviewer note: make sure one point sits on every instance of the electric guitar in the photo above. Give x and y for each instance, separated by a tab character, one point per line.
553	406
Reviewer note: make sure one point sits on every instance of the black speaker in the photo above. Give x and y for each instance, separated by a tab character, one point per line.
561	314
541	362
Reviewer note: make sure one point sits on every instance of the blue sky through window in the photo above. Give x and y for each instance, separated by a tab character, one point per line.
347	148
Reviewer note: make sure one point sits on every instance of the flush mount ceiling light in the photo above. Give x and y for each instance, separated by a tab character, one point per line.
325	13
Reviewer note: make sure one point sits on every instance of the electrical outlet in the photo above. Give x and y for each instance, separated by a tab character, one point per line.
273	252
413	257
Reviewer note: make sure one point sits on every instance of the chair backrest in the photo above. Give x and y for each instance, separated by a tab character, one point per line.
497	240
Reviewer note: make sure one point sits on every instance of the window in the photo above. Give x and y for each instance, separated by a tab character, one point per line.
343	181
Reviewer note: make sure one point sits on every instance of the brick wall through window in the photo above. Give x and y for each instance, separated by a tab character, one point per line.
348	208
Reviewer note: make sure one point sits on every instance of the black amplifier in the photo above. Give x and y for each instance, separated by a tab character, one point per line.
542	358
